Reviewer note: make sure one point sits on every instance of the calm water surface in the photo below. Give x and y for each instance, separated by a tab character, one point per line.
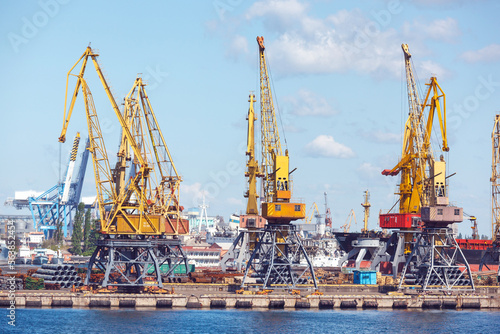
125	321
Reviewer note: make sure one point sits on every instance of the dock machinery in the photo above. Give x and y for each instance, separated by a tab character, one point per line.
251	224
424	236
276	259
52	211
140	216
492	254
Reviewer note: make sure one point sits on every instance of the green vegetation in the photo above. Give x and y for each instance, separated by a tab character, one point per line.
77	236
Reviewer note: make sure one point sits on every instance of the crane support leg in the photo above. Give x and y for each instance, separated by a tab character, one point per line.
276	259
434	263
170	252
125	263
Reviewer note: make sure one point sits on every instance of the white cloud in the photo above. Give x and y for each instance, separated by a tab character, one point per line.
429	68
308	103
291	128
348	40
445	30
238	46
489	53
277	14
367	170
383	137
326	146
235	201
441	3
191	194
344	41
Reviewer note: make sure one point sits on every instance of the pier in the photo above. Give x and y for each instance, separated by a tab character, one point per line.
212	296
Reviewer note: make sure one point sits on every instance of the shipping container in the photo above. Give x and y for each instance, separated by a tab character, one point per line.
365	277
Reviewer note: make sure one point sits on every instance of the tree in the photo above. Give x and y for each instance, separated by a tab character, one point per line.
93	237
77	236
86	231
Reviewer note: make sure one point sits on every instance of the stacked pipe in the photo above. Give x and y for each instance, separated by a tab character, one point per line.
62	274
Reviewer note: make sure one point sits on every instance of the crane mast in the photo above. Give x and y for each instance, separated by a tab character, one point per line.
277	186
252	165
495	180
251	223
271	145
492	254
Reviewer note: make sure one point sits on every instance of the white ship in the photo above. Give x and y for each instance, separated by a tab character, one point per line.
329	254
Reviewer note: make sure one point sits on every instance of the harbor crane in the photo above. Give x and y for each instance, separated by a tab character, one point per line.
252	223
278	252
313	212
347	225
492	254
328	214
52	210
140	216
424	236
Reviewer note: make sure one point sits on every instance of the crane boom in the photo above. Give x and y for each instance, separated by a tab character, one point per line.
495	182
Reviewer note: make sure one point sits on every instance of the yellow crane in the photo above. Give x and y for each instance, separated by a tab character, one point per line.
277	207
424	211
495	182
144	205
492	253
162	189
422	177
347	225
313	212
279	246
251	223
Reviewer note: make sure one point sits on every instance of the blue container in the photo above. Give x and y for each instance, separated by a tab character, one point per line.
365	277
180	269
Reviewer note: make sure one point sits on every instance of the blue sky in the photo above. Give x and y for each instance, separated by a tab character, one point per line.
338	82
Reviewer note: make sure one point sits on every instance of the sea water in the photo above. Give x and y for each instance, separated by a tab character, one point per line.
125	321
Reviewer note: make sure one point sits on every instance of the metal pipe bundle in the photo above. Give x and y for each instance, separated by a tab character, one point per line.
52	266
45	277
64	275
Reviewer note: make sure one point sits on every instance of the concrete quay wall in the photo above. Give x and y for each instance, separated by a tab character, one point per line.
365	301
